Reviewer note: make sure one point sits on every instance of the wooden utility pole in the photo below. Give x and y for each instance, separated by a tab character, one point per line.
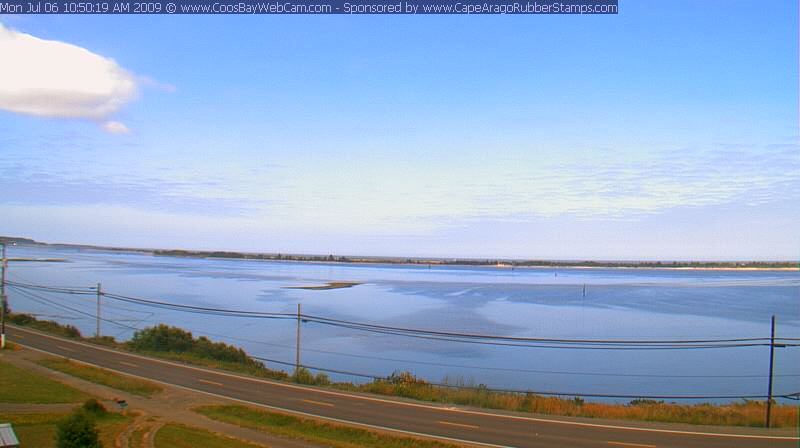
3	300
97	313
297	344
771	363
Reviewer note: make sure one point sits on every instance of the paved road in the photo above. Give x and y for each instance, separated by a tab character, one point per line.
465	425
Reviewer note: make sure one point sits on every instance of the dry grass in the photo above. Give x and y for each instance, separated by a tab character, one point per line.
745	413
102	376
173	435
327	434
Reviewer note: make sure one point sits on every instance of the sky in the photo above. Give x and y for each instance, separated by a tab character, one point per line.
669	131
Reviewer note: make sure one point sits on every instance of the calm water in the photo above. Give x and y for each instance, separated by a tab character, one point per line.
637	304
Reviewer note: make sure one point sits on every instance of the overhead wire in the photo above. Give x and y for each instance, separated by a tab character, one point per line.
473	338
470	338
535	392
43	300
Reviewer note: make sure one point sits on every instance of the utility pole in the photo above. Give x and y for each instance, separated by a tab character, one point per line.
3	301
771	362
97	314
297	344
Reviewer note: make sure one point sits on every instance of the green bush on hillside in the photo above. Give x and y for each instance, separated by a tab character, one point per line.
304	376
78	431
164	338
44	325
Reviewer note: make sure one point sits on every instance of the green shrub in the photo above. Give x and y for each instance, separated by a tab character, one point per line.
304	376
44	325
162	338
406	378
167	339
78	431
645	402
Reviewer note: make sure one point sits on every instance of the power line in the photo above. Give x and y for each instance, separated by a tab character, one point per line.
549	393
472	338
373	329
72	287
560	346
81	291
529	339
448	336
45	301
200	309
500	369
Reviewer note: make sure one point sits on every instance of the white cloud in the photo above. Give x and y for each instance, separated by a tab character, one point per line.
150	82
48	78
115	127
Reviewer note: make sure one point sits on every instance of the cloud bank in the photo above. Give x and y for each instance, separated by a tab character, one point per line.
47	78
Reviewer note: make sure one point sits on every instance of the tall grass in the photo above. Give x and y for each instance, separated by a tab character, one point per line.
173	435
328	434
744	413
105	377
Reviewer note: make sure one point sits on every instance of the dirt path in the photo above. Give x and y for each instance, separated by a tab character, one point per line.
30	408
149	438
123	438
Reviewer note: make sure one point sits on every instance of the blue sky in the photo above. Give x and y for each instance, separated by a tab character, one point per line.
669	131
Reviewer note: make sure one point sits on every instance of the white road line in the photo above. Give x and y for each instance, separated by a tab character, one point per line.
213	383
319	403
639	445
460	425
129	364
65	348
418	405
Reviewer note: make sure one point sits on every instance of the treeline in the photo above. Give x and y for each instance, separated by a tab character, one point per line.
16	240
484	262
664	264
251	256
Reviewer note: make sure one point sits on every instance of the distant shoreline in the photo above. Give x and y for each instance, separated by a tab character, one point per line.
785	266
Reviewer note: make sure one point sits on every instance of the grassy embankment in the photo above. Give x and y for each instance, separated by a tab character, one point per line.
21	386
173	435
311	431
102	376
173	343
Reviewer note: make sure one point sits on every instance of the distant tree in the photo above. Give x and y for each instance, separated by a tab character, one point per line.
78	431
